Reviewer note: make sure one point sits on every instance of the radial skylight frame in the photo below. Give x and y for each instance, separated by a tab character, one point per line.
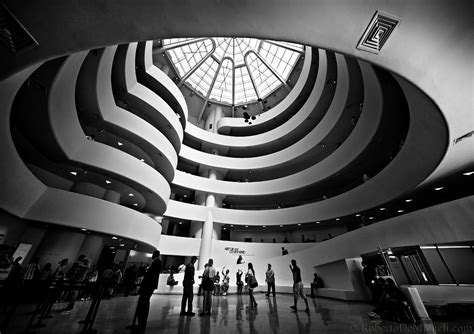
232	71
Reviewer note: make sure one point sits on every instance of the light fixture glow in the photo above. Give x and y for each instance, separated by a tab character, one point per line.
382	209
371	217
338	218
131	195
358	215
135	204
119	143
400	211
84	229
263	226
439	188
114	238
468	173
108	182
408	200
246	226
317	222
299	224
281	225
73	173
231	225
121	245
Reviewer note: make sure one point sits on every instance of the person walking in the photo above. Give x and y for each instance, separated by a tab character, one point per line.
188	282
149	284
249	278
208	278
298	290
270	279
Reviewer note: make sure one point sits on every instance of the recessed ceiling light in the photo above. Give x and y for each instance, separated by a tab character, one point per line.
382	209
468	173
400	211
371	217
119	143
115	238
408	200
358	215
84	229
131	195
135	204
439	188
338	218
108	182
73	173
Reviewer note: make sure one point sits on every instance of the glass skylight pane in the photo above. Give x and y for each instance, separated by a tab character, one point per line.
279	56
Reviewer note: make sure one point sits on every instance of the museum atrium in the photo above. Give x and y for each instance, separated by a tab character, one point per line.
340	131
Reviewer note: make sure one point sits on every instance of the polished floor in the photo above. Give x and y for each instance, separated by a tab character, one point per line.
232	314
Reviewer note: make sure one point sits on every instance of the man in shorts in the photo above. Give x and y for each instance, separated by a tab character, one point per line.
297	286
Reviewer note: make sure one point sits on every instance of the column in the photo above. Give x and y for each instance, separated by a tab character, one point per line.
207	226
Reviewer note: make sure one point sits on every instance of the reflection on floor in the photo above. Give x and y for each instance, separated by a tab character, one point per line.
232	314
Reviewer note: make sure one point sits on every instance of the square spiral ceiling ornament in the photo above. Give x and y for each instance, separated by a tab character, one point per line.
377	32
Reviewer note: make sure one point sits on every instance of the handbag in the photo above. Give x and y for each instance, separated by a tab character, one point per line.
253	282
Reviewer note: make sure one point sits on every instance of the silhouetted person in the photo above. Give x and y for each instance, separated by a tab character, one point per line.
284	251
250	274
298	290
316	284
78	276
188	282
129	279
15	271
240	260
270	279
370	280
149	284
208	278
240	284
45	273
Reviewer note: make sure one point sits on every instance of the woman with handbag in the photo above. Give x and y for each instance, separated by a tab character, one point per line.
251	283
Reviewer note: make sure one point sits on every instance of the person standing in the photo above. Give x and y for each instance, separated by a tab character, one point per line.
298	290
188	282
225	281
240	284
149	284
77	277
270	279
248	278
208	278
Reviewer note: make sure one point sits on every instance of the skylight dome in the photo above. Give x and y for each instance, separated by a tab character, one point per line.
232	70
